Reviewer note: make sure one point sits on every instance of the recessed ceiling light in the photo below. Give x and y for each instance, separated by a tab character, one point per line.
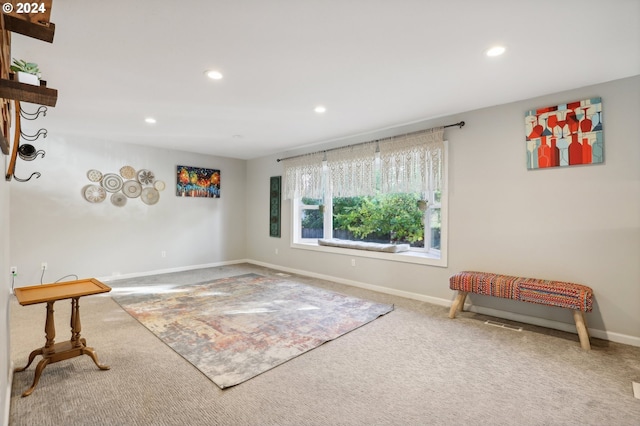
320	109
496	51
214	75
150	120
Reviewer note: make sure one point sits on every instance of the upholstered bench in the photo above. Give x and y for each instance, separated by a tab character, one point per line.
577	297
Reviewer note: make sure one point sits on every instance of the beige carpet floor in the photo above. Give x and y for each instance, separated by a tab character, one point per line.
414	366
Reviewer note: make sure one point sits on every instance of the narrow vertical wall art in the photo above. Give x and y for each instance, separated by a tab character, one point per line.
565	135
274	206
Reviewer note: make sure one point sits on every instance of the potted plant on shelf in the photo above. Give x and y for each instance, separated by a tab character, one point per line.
27	72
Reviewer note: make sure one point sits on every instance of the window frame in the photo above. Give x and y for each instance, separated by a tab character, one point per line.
427	255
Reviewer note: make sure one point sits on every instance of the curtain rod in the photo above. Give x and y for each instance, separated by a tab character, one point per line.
460	124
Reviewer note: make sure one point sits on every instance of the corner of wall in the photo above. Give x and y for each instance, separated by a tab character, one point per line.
5	354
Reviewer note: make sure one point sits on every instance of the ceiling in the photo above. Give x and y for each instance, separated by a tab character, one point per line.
373	64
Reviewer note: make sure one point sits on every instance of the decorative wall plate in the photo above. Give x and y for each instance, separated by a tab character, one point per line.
146	177
159	185
127	172
94	193
150	196
94	175
111	182
118	199
132	188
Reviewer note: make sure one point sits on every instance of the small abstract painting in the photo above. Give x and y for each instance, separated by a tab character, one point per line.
565	135
197	182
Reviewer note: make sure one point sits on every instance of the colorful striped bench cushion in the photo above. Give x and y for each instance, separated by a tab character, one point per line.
545	292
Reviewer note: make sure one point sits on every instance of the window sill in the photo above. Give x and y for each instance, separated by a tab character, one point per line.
406	256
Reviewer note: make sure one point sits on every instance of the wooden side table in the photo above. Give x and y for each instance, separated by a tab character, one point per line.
53	352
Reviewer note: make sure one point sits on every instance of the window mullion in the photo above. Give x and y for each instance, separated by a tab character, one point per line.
328	217
328	206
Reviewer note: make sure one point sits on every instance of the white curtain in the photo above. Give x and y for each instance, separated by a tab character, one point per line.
352	170
412	163
303	176
408	163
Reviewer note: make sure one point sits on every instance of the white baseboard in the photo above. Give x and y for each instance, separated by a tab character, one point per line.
379	289
571	328
556	325
170	270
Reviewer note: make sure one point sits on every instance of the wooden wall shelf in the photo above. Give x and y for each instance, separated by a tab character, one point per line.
44	32
10	89
35	25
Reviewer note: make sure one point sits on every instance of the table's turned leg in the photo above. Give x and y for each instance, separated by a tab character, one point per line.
49	328
76	326
41	365
81	342
46	351
32	356
94	357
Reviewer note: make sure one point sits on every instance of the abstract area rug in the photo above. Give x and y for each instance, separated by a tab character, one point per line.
233	329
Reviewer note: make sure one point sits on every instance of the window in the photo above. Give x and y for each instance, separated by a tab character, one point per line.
374	198
311	219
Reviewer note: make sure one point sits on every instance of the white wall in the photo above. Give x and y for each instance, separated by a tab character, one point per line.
578	224
52	222
5	288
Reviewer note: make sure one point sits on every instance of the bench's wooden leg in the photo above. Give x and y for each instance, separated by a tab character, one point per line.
458	304
583	332
464	299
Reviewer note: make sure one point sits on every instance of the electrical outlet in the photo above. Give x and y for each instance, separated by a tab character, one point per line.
276	251
44	266
353	262
163	253
14	270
